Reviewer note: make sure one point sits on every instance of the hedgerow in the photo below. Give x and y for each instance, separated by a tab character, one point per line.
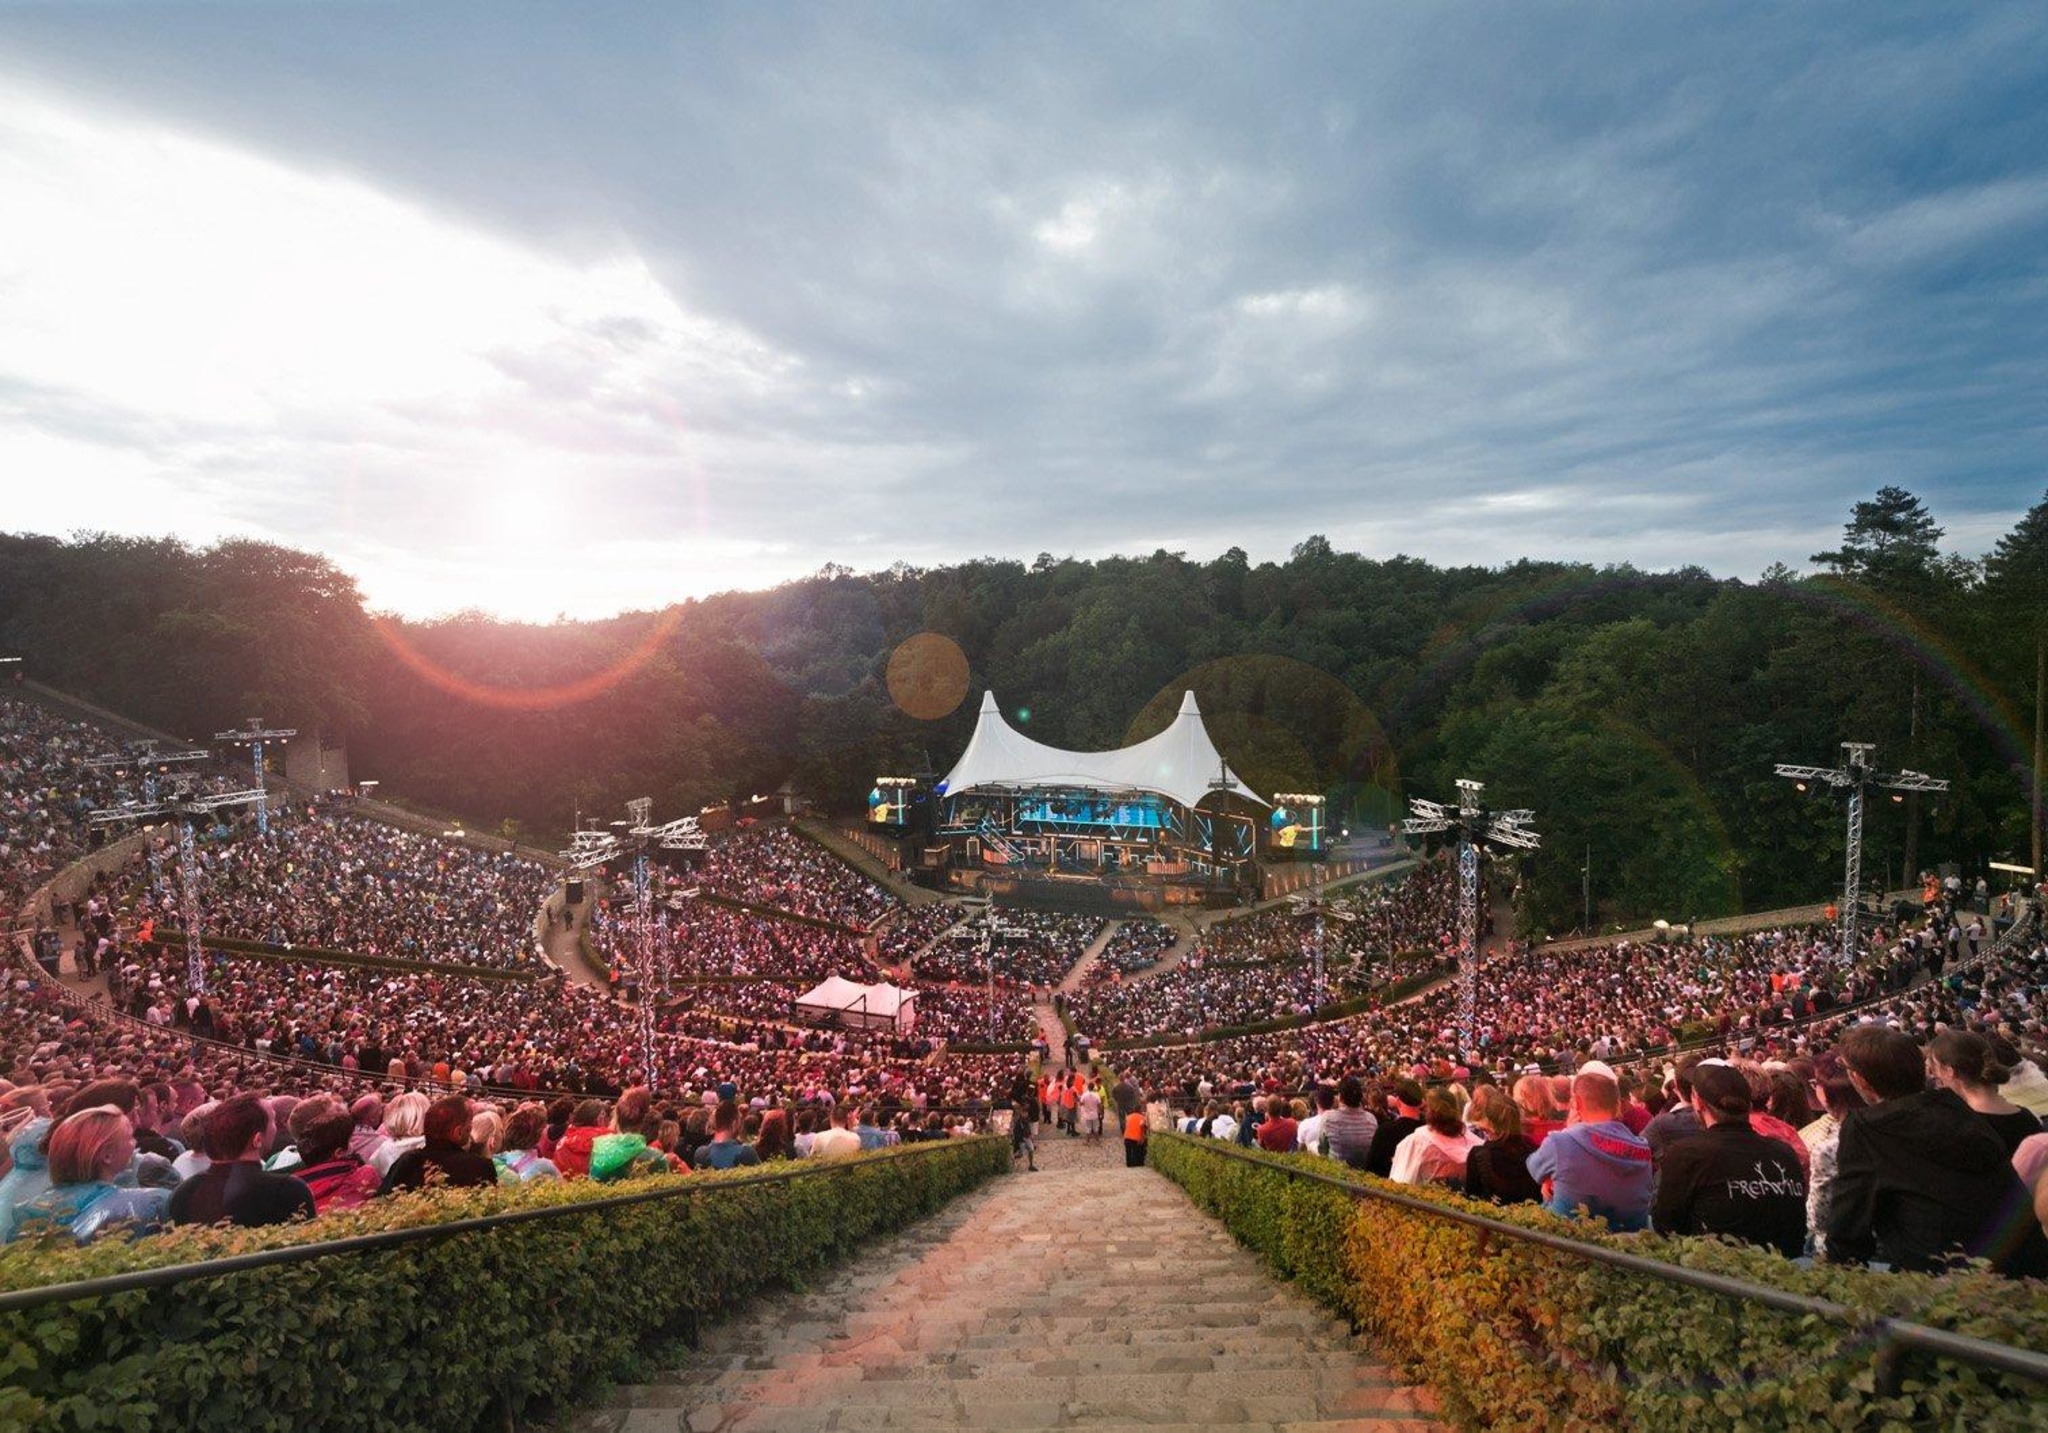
468	1331
1511	1334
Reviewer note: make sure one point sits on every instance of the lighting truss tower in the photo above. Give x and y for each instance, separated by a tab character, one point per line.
1315	905
149	763
635	837
254	736
184	805
1853	778
1476	828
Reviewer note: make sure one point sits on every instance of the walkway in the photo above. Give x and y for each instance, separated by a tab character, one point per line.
1084	1296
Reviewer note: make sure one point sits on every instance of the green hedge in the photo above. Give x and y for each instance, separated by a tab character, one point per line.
1514	1335
468	1332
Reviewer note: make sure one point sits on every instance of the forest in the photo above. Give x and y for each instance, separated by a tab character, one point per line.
1637	713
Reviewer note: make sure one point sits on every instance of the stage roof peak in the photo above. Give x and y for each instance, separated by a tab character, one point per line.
1179	763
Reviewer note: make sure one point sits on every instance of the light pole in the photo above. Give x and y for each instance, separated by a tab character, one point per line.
185	806
254	736
1476	827
1854	778
589	850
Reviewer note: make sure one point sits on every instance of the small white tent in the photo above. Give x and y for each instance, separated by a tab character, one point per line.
1178	763
839	1001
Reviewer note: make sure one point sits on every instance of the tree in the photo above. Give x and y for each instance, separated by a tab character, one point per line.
1889	543
2016	582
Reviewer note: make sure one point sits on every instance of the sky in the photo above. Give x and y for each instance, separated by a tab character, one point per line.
551	310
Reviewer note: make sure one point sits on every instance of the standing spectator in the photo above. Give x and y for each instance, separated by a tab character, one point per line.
1920	1181
234	1186
1596	1162
1728	1179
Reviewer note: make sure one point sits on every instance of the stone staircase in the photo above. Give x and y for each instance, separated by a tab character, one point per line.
1083	1296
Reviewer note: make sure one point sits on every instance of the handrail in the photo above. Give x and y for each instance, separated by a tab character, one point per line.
19	1300
1890	1334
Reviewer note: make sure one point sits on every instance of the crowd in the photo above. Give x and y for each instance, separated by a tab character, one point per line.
1876	1147
1136	945
1034	948
773	866
1880	1107
47	792
337	881
1241	971
90	1154
912	929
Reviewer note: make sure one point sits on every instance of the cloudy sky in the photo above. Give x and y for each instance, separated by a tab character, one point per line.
570	309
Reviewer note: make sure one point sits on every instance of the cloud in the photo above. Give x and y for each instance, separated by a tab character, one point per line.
778	289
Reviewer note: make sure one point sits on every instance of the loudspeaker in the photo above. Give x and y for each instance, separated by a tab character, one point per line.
574	895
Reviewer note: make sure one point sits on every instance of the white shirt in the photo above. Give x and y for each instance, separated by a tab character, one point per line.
1309	1133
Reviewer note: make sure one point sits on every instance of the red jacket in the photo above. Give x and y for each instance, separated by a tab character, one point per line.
572	1152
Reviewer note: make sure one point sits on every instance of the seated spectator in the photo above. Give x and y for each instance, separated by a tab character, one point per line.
1499	1168
774	1140
1596	1163
726	1150
1278	1130
1920	1181
87	1150
1435	1153
838	1140
1962	1061
29	1172
1682	1120
1402	1117
520	1158
234	1188
321	1128
1837	1095
1540	1115
1349	1128
1728	1179
404	1131
444	1155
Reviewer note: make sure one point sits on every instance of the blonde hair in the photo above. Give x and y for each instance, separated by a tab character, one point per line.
406	1116
486	1132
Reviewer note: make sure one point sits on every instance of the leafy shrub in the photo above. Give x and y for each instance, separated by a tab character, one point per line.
1512	1334
466	1331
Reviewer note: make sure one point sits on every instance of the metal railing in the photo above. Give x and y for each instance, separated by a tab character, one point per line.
20	1300
1892	1337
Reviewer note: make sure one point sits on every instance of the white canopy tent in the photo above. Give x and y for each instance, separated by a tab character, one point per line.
839	1001
1179	763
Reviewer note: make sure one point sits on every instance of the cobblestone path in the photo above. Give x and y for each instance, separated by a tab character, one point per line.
1086	1295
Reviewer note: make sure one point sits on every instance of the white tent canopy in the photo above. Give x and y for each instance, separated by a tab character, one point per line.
1179	763
837	1000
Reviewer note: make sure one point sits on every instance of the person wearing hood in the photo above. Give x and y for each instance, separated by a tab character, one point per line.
85	1152
30	1175
1920	1180
1596	1162
588	1123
